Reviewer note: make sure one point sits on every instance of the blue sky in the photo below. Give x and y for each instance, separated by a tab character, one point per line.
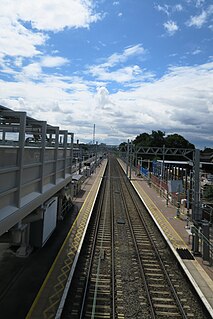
128	66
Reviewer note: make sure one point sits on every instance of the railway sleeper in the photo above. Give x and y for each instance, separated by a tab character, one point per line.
153	272
98	315
160	292
153	285
150	262
102	291
101	278
99	308
157	278
99	299
166	306
120	316
162	299
165	314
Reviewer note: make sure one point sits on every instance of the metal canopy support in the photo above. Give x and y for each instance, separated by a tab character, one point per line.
127	160
165	151
131	159
196	204
188	154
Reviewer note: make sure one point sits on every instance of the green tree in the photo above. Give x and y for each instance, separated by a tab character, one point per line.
157	138
143	139
177	141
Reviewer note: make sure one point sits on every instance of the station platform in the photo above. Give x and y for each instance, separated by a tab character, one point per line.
178	236
52	294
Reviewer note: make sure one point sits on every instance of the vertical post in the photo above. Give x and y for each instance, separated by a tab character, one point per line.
22	129
149	181
186	182
162	170
127	160
167	197
71	152
42	156
178	202
130	168
65	153
80	161
3	135
96	154
196	208
56	154
195	240
196	204
187	208
206	243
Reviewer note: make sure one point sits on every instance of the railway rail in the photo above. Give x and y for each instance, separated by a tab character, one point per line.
126	269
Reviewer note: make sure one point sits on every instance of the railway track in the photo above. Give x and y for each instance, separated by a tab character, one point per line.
125	268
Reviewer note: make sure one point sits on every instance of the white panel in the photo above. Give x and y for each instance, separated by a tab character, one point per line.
50	218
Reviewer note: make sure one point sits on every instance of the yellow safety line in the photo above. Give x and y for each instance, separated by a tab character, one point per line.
149	201
58	255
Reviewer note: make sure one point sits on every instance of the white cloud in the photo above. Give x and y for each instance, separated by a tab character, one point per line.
164	8
133	50
198	21
197	51
16	40
199	3
171	27
169	9
121	75
103	99
178	7
31	71
43	15
107	72
34	70
58	15
53	61
136	50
